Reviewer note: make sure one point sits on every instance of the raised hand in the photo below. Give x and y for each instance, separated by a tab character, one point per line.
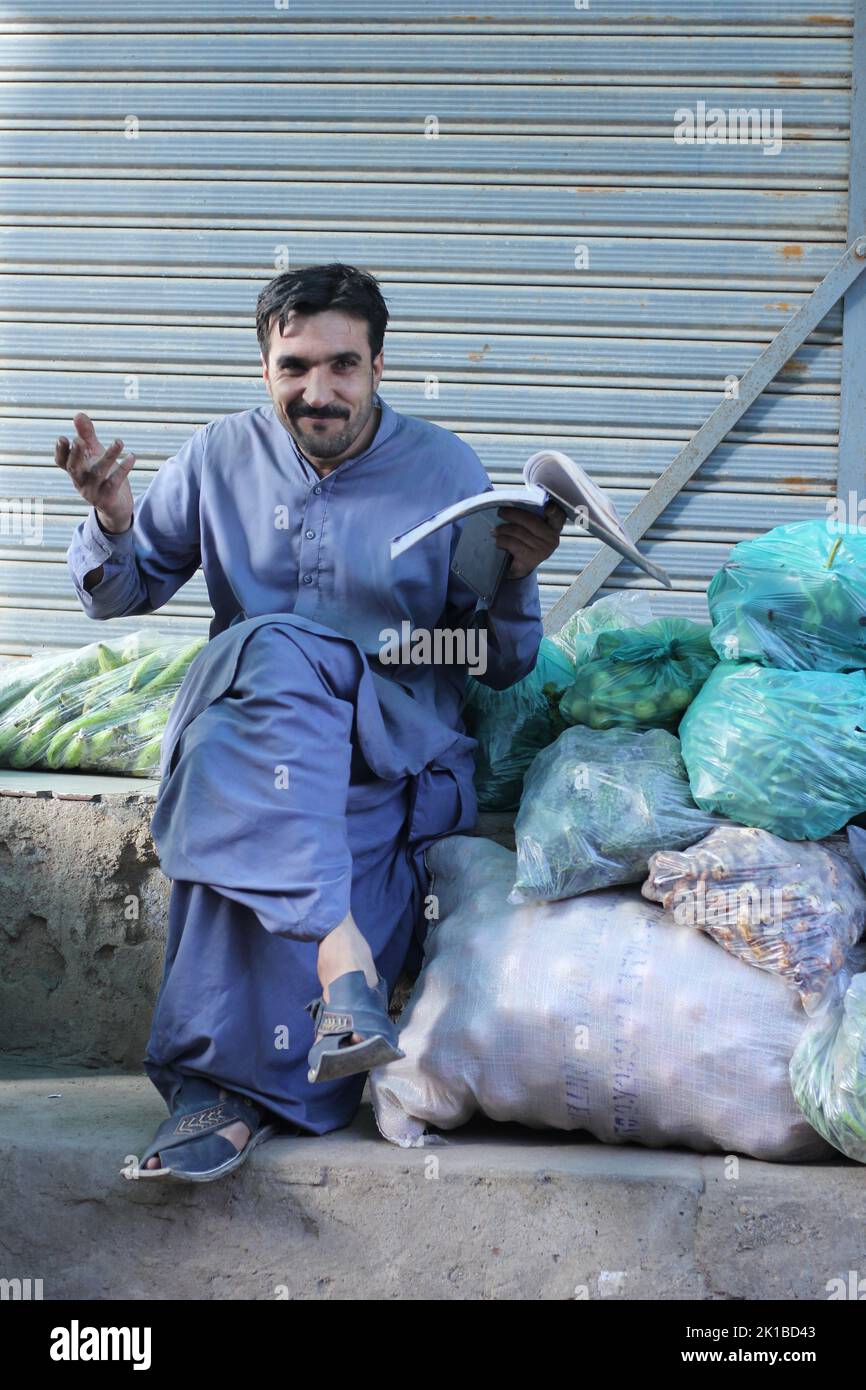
100	475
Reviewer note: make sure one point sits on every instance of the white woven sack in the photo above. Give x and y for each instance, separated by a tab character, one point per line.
596	1013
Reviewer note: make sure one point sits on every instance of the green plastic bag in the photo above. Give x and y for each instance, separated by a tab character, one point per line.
625	609
781	750
640	678
794	598
511	726
514	724
828	1066
596	804
102	708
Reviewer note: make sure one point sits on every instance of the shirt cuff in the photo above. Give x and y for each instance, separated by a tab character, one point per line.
516	598
105	545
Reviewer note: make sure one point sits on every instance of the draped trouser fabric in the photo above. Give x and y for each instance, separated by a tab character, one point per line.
283	804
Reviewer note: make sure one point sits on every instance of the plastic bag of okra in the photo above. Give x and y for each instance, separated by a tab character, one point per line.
102	708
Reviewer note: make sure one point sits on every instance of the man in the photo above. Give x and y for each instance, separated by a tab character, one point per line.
302	775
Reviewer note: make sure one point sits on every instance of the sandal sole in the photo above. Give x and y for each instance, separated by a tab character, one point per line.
210	1175
348	1061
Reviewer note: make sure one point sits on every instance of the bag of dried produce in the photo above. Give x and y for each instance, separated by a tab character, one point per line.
596	804
641	678
794	598
792	907
828	1067
782	750
596	1014
102	708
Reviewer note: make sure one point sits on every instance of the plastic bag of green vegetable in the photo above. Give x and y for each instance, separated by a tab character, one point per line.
18	677
794	598
782	750
596	804
511	726
100	709
625	609
641	678
828	1066
514	724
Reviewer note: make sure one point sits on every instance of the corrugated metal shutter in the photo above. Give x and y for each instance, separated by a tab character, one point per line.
302	131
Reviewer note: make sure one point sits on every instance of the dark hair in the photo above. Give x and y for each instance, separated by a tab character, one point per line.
320	287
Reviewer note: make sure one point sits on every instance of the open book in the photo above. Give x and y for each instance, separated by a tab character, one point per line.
549	475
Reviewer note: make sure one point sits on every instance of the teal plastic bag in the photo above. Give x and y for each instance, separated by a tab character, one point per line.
596	805
781	750
794	598
512	725
626	608
640	678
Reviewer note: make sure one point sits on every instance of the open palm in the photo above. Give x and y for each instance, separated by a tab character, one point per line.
100	475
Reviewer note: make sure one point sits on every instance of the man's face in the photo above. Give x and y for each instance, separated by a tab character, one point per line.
322	380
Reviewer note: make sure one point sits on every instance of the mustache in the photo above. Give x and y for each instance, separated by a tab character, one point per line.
328	413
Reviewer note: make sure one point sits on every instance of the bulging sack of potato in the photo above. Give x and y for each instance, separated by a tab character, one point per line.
828	1067
794	598
597	1014
640	678
781	750
792	907
596	804
102	708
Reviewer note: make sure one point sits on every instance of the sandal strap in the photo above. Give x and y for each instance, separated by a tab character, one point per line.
357	1008
180	1128
330	1022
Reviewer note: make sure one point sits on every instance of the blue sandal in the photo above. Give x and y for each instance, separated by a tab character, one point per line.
189	1136
353	1007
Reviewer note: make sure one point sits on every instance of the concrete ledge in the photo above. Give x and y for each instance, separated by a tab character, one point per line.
83	918
74	786
500	1212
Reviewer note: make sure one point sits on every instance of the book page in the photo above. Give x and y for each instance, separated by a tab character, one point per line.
531	497
565	479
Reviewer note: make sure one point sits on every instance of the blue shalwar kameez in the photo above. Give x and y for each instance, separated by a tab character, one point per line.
301	775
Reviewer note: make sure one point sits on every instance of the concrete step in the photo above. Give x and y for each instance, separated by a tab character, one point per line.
499	1212
83	916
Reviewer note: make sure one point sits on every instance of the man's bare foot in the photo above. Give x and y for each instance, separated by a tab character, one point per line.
342	950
